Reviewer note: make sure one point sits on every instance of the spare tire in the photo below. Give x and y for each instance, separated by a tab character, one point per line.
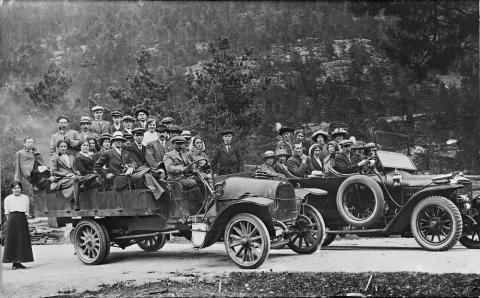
360	201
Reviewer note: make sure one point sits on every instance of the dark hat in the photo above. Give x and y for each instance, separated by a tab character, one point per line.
138	130
226	131
319	133
116	114
167	119
118	136
174	128
103	137
339	131
178	139
62	117
141	110
161	128
85	119
128	118
97	108
299	131
345	142
128	136
285	129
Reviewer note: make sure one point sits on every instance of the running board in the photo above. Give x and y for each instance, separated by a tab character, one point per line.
366	231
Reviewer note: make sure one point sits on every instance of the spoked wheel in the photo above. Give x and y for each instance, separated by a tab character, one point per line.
152	243
247	240
309	231
280	228
91	242
329	238
436	223
471	235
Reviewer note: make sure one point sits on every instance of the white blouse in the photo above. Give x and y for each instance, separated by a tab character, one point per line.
15	203
149	137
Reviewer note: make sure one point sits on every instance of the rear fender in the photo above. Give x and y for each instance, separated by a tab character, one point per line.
402	220
261	207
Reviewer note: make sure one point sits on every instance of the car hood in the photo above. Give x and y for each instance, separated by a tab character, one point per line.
411	180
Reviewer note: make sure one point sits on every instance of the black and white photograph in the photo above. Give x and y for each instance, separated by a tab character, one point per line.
239	148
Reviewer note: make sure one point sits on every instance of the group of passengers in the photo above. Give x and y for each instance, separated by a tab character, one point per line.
324	155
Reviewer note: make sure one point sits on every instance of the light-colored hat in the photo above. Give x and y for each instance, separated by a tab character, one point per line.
116	114
128	118
281	152
339	131
186	134
118	136
320	133
345	142
97	108
178	139
268	154
85	119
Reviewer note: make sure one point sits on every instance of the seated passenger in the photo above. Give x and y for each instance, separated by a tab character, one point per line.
320	137
280	166
370	150
62	166
84	163
285	133
115	164
196	151
316	158
176	161
156	150
345	162
267	166
329	160
29	165
298	164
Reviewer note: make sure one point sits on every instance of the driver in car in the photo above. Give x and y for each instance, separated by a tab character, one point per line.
345	162
176	161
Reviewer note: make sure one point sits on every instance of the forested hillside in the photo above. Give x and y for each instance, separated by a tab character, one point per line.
404	67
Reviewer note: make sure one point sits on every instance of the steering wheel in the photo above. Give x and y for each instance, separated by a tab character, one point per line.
367	168
189	167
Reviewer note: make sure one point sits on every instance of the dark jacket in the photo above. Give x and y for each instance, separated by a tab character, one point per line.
224	163
138	156
101	128
84	164
154	153
113	129
297	168
283	170
345	165
314	164
114	163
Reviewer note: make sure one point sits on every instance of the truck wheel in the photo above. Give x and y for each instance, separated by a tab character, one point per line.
310	231
360	201
247	240
152	243
436	223
329	239
471	235
91	242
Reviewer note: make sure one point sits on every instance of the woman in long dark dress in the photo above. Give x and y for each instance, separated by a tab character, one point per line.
18	246
83	163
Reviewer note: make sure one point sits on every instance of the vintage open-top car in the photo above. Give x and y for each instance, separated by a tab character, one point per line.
249	215
387	198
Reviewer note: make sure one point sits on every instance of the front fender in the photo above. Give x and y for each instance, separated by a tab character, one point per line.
402	218
258	206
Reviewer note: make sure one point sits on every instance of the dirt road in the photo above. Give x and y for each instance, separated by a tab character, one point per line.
56	269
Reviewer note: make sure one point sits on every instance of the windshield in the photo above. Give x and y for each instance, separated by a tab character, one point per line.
395	160
391	141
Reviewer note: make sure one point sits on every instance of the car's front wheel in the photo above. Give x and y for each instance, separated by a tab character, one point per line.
309	231
436	223
247	241
91	242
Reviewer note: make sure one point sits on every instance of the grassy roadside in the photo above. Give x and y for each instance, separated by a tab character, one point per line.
294	284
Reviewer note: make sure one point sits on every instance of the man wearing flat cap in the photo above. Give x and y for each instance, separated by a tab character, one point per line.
127	123
117	121
227	158
100	126
167	121
346	162
141	115
65	133
176	161
85	132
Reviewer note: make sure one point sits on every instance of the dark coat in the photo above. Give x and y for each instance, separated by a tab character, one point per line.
84	164
224	162
154	153
138	156
116	165
113	129
315	165
283	170
297	168
345	165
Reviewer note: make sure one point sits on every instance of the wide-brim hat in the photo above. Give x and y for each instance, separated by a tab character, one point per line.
178	139
318	133
359	145
116	114
141	110
268	154
137	130
118	136
345	142
103	137
62	117
85	119
339	131
174	128
285	129
128	118
226	132
97	108
167	119
282	152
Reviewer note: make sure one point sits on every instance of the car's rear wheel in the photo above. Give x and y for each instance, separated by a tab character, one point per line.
436	223
329	238
91	242
153	243
247	241
471	235
360	201
309	231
